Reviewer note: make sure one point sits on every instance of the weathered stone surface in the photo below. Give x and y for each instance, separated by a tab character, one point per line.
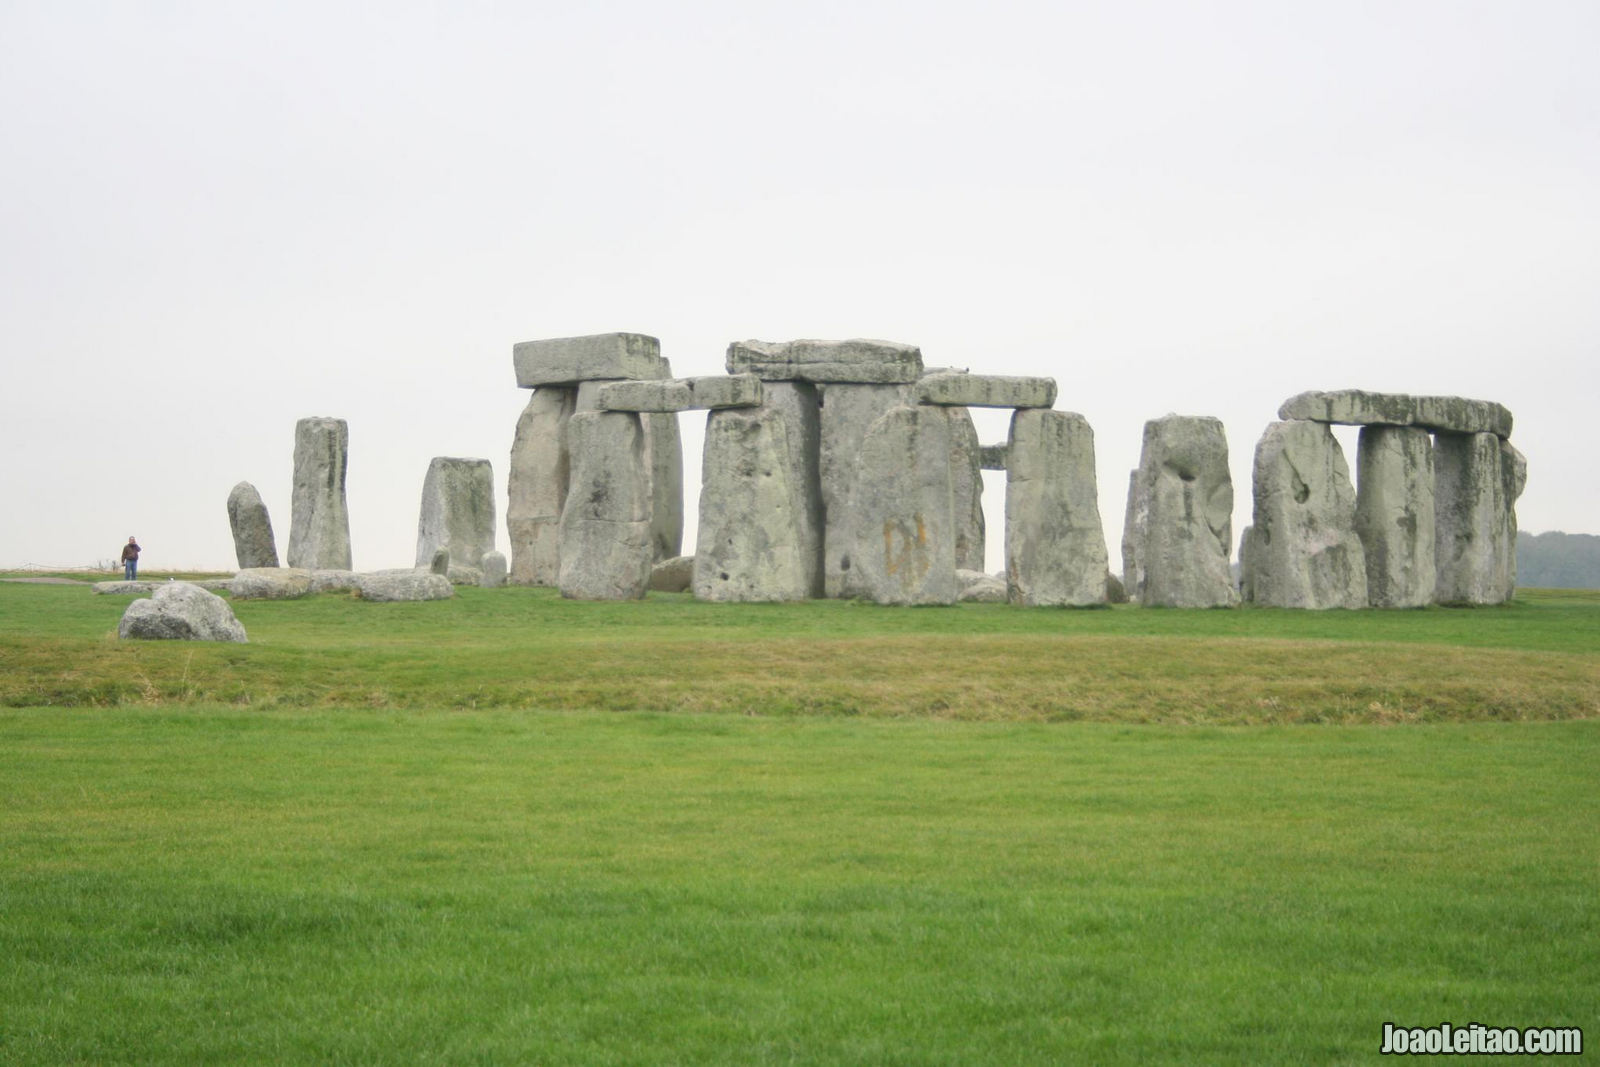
493	574
966	488
846	412
1055	544
664	453
333	581
986	391
605	525
1470	519
461	574
1513	479
1178	535
1303	551
457	510
980	588
859	360
751	544
121	588
671	394
1353	407
726	391
900	525
537	487
438	563
181	611
389	586
570	360
992	457
800	405
673	575
253	543
1116	592
319	519
1394	515
270	583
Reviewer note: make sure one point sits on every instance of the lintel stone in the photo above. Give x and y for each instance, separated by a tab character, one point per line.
672	394
570	360
1354	407
859	360
986	391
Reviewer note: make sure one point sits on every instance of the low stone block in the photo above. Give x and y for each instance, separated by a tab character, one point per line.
1354	407
673	575
392	587
333	581
121	588
494	570
858	360
181	611
270	583
980	588
669	395
986	391
726	391
570	360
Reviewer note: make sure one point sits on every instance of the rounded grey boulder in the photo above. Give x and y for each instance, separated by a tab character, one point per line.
180	611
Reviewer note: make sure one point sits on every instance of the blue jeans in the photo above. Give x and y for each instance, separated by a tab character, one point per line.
130	569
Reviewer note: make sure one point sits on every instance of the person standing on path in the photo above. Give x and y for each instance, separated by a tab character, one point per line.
130	559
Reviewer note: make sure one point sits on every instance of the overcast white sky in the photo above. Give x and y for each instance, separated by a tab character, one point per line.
217	218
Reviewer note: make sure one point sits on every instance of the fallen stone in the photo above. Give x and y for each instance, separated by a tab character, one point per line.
1353	407
537	487
1055	545
673	575
860	361
271	583
390	587
457	511
494	570
672	394
980	588
461	574
1394	515
605	525
1178	534
319	519
333	581
900	528
845	413
1302	551
986	391
121	588
181	611
1470	519
570	360
992	457
253	543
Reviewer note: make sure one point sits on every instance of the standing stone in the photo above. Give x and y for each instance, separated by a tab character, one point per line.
800	405
900	526
1055	545
751	544
664	452
966	488
1179	530
319	520
537	487
846	413
494	570
1303	551
1394	515
439	562
1513	478
252	528
457	510
1470	519
605	525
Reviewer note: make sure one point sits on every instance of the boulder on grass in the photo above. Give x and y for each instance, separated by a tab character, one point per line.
408	585
181	611
270	583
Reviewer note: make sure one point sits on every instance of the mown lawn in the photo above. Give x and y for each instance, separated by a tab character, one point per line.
346	862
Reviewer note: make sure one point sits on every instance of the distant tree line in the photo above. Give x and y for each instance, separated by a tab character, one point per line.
1558	560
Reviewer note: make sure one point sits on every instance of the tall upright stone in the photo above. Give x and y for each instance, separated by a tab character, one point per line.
1394	515
1055	544
1470	519
900	530
847	412
1513	478
457	511
605	523
1178	536
663	454
799	404
536	489
1303	551
966	488
253	542
319	518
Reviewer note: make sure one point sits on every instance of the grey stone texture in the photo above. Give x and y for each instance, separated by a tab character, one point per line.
457	511
333	581
1394	515
1178	534
673	575
726	391
570	360
900	526
438	562
1472	519
181	611
121	588
980	588
253	542
319	519
1055	544
664	453
846	413
537	487
493	566
391	586
753	544
1513	479
992	457
966	488
671	394
271	583
1302	551
860	361
606	543
1353	407
986	391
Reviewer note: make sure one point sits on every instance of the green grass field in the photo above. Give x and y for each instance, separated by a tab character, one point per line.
510	828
